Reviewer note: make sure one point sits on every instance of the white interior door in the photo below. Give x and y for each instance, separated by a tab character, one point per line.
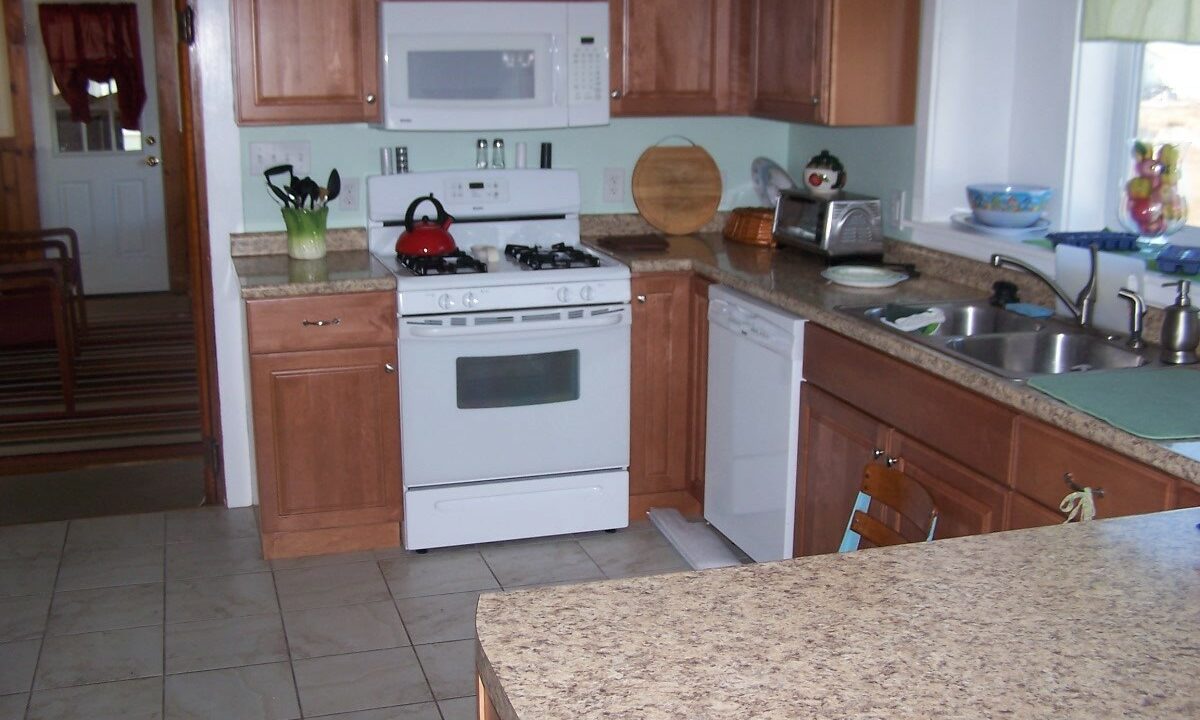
100	179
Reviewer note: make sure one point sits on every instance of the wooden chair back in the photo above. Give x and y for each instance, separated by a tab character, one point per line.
52	246
905	497
37	290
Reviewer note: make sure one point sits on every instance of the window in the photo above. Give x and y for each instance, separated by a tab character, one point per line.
103	133
1168	109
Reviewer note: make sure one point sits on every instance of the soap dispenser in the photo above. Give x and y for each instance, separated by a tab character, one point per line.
1181	328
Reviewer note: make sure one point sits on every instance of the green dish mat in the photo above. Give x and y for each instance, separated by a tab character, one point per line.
1155	403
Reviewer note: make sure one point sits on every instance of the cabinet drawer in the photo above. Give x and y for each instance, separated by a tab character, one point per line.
1045	455
321	322
1025	513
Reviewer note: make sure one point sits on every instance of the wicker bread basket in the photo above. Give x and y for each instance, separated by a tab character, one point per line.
750	226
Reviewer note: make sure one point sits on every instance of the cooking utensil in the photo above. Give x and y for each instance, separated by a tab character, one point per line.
426	237
676	189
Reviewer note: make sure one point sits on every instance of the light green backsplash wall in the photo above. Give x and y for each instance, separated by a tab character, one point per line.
733	142
878	160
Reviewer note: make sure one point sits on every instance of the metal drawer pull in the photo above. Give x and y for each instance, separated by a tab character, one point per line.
877	453
1069	481
390	368
321	323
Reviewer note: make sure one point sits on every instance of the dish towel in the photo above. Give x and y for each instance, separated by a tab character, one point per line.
927	320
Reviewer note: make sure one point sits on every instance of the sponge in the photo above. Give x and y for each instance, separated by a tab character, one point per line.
1029	310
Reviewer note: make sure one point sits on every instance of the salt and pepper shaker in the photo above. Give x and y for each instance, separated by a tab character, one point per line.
498	154
481	153
519	157
387	164
401	162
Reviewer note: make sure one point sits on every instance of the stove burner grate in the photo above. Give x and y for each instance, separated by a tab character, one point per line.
559	256
457	262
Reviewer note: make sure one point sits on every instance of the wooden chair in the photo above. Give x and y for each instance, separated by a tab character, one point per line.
56	245
39	286
913	513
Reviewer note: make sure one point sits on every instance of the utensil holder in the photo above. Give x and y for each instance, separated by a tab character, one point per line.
305	232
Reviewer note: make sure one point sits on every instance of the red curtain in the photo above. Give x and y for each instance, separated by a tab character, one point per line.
99	42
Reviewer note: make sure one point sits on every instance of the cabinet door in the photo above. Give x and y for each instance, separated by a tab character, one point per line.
967	502
327	438
1045	457
1187	495
1025	513
790	53
306	61
873	62
836	442
670	57
659	391
698	384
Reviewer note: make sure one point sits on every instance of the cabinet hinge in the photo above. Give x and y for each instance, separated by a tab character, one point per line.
185	20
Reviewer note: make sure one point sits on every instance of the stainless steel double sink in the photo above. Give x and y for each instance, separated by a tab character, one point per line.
1005	343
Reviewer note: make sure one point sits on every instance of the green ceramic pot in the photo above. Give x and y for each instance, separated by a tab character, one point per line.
305	232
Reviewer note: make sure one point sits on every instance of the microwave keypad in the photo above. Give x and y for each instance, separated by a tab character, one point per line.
587	68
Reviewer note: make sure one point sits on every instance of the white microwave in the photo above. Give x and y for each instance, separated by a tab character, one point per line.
494	65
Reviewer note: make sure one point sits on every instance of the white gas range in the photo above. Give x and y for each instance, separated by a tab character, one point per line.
514	361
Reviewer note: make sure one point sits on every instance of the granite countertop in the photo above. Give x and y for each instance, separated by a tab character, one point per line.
792	280
344	271
1089	620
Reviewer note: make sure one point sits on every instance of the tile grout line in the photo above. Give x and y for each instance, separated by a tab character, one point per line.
417	657
62	551
162	692
287	643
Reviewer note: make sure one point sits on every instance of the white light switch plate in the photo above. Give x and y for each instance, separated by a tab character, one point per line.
264	155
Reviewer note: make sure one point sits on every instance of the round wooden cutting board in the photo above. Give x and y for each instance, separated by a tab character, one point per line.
676	189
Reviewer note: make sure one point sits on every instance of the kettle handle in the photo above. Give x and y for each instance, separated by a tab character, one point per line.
442	216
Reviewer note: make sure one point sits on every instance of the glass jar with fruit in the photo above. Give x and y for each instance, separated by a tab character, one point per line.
1152	199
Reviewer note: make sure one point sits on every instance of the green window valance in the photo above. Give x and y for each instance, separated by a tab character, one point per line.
1142	20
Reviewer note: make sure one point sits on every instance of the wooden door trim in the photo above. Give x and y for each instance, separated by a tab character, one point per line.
18	167
170	147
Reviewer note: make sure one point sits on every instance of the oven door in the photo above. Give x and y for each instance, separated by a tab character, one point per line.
486	396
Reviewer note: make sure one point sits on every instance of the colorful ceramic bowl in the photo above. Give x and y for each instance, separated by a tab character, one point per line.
1013	206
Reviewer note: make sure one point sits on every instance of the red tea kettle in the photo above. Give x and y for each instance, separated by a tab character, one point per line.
426	237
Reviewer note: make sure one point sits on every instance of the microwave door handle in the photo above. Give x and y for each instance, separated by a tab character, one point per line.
562	73
435	331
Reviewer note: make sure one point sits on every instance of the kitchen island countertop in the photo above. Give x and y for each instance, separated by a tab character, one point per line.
1090	620
791	279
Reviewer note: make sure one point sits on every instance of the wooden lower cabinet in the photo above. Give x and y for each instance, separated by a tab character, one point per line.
1187	495
1025	513
664	399
326	431
967	502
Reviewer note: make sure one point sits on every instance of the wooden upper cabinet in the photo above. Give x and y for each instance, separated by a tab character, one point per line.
306	61
677	57
843	62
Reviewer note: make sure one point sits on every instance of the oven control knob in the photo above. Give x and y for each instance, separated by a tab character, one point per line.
469	300
445	302
585	293
564	294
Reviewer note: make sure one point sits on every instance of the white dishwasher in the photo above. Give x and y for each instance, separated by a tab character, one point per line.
752	438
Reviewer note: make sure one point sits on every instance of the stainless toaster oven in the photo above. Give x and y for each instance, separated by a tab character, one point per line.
842	225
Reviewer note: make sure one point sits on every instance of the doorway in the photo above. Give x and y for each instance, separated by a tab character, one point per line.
145	407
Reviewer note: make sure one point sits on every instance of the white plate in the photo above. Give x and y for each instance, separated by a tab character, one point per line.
968	222
769	180
863	276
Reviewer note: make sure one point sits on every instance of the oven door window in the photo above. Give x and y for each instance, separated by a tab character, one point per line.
516	380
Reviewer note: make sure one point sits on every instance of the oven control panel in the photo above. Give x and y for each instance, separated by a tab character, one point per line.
476	190
478	299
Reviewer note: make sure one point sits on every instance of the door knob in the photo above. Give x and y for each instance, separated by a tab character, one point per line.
153	161
370	98
390	368
891	461
641	298
616	94
877	453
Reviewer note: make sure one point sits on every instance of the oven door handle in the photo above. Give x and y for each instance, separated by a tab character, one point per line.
434	331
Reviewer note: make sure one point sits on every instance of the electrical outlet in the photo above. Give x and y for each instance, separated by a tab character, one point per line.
348	198
264	155
896	208
614	185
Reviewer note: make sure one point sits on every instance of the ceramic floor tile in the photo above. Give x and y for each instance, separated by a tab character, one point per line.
463	708
127	606
450	668
212	644
256	692
319	560
27	576
12	707
330	585
100	657
419	711
438	573
115	531
33	540
361	681
216	598
344	629
23	617
110	567
540	564
204	524
230	556
17	661
127	700
439	618
633	552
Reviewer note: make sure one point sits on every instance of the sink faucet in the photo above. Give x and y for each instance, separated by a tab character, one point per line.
1082	307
